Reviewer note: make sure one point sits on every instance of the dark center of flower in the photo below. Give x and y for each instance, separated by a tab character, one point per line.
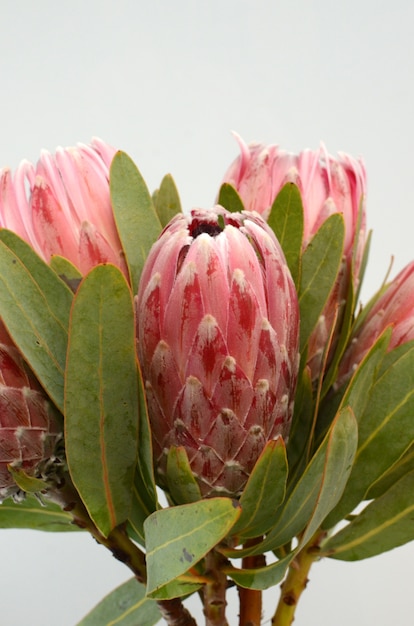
196	228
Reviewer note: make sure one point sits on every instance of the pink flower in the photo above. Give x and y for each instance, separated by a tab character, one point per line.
29	427
217	326
61	205
327	186
395	308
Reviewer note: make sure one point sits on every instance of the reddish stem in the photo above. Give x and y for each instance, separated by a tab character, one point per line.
251	599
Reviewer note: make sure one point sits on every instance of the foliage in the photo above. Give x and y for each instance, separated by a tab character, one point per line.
348	445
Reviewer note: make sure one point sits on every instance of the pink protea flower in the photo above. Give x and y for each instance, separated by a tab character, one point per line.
327	186
217	326
62	205
395	308
29	426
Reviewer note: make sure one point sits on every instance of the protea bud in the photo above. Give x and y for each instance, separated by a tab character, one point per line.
62	206
327	186
217	325
394	307
29	427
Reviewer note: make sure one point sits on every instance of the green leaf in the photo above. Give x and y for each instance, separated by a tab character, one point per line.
404	465
178	537
383	525
342	446
144	501
317	490
35	306
264	492
66	271
182	486
346	317
230	199
124	606
32	514
320	265
176	589
301	425
286	221
260	577
167	201
386	431
101	396
27	483
135	216
357	393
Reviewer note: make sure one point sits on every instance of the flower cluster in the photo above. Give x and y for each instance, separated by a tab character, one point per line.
217	313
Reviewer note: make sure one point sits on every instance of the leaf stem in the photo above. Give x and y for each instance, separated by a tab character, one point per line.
296	581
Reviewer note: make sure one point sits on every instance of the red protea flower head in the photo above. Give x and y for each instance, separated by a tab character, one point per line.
218	327
29	423
394	308
62	205
328	185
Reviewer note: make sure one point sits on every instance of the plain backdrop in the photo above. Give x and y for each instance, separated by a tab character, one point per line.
167	81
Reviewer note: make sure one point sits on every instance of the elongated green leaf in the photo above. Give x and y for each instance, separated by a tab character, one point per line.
124	606
101	396
301	425
320	265
182	485
403	466
35	306
32	514
342	446
344	325
286	221
261	577
167	201
357	394
144	501
316	491
230	199
178	537
135	216
386	431
264	492
383	525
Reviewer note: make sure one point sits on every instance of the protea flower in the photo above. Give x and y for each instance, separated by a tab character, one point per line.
327	186
29	426
217	325
62	205
393	307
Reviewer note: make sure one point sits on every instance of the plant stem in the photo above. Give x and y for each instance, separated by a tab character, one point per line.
251	599
296	581
214	592
121	546
175	614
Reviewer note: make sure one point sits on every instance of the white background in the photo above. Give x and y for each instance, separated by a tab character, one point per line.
166	81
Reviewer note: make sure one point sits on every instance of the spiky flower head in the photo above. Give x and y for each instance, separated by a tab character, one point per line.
218	327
